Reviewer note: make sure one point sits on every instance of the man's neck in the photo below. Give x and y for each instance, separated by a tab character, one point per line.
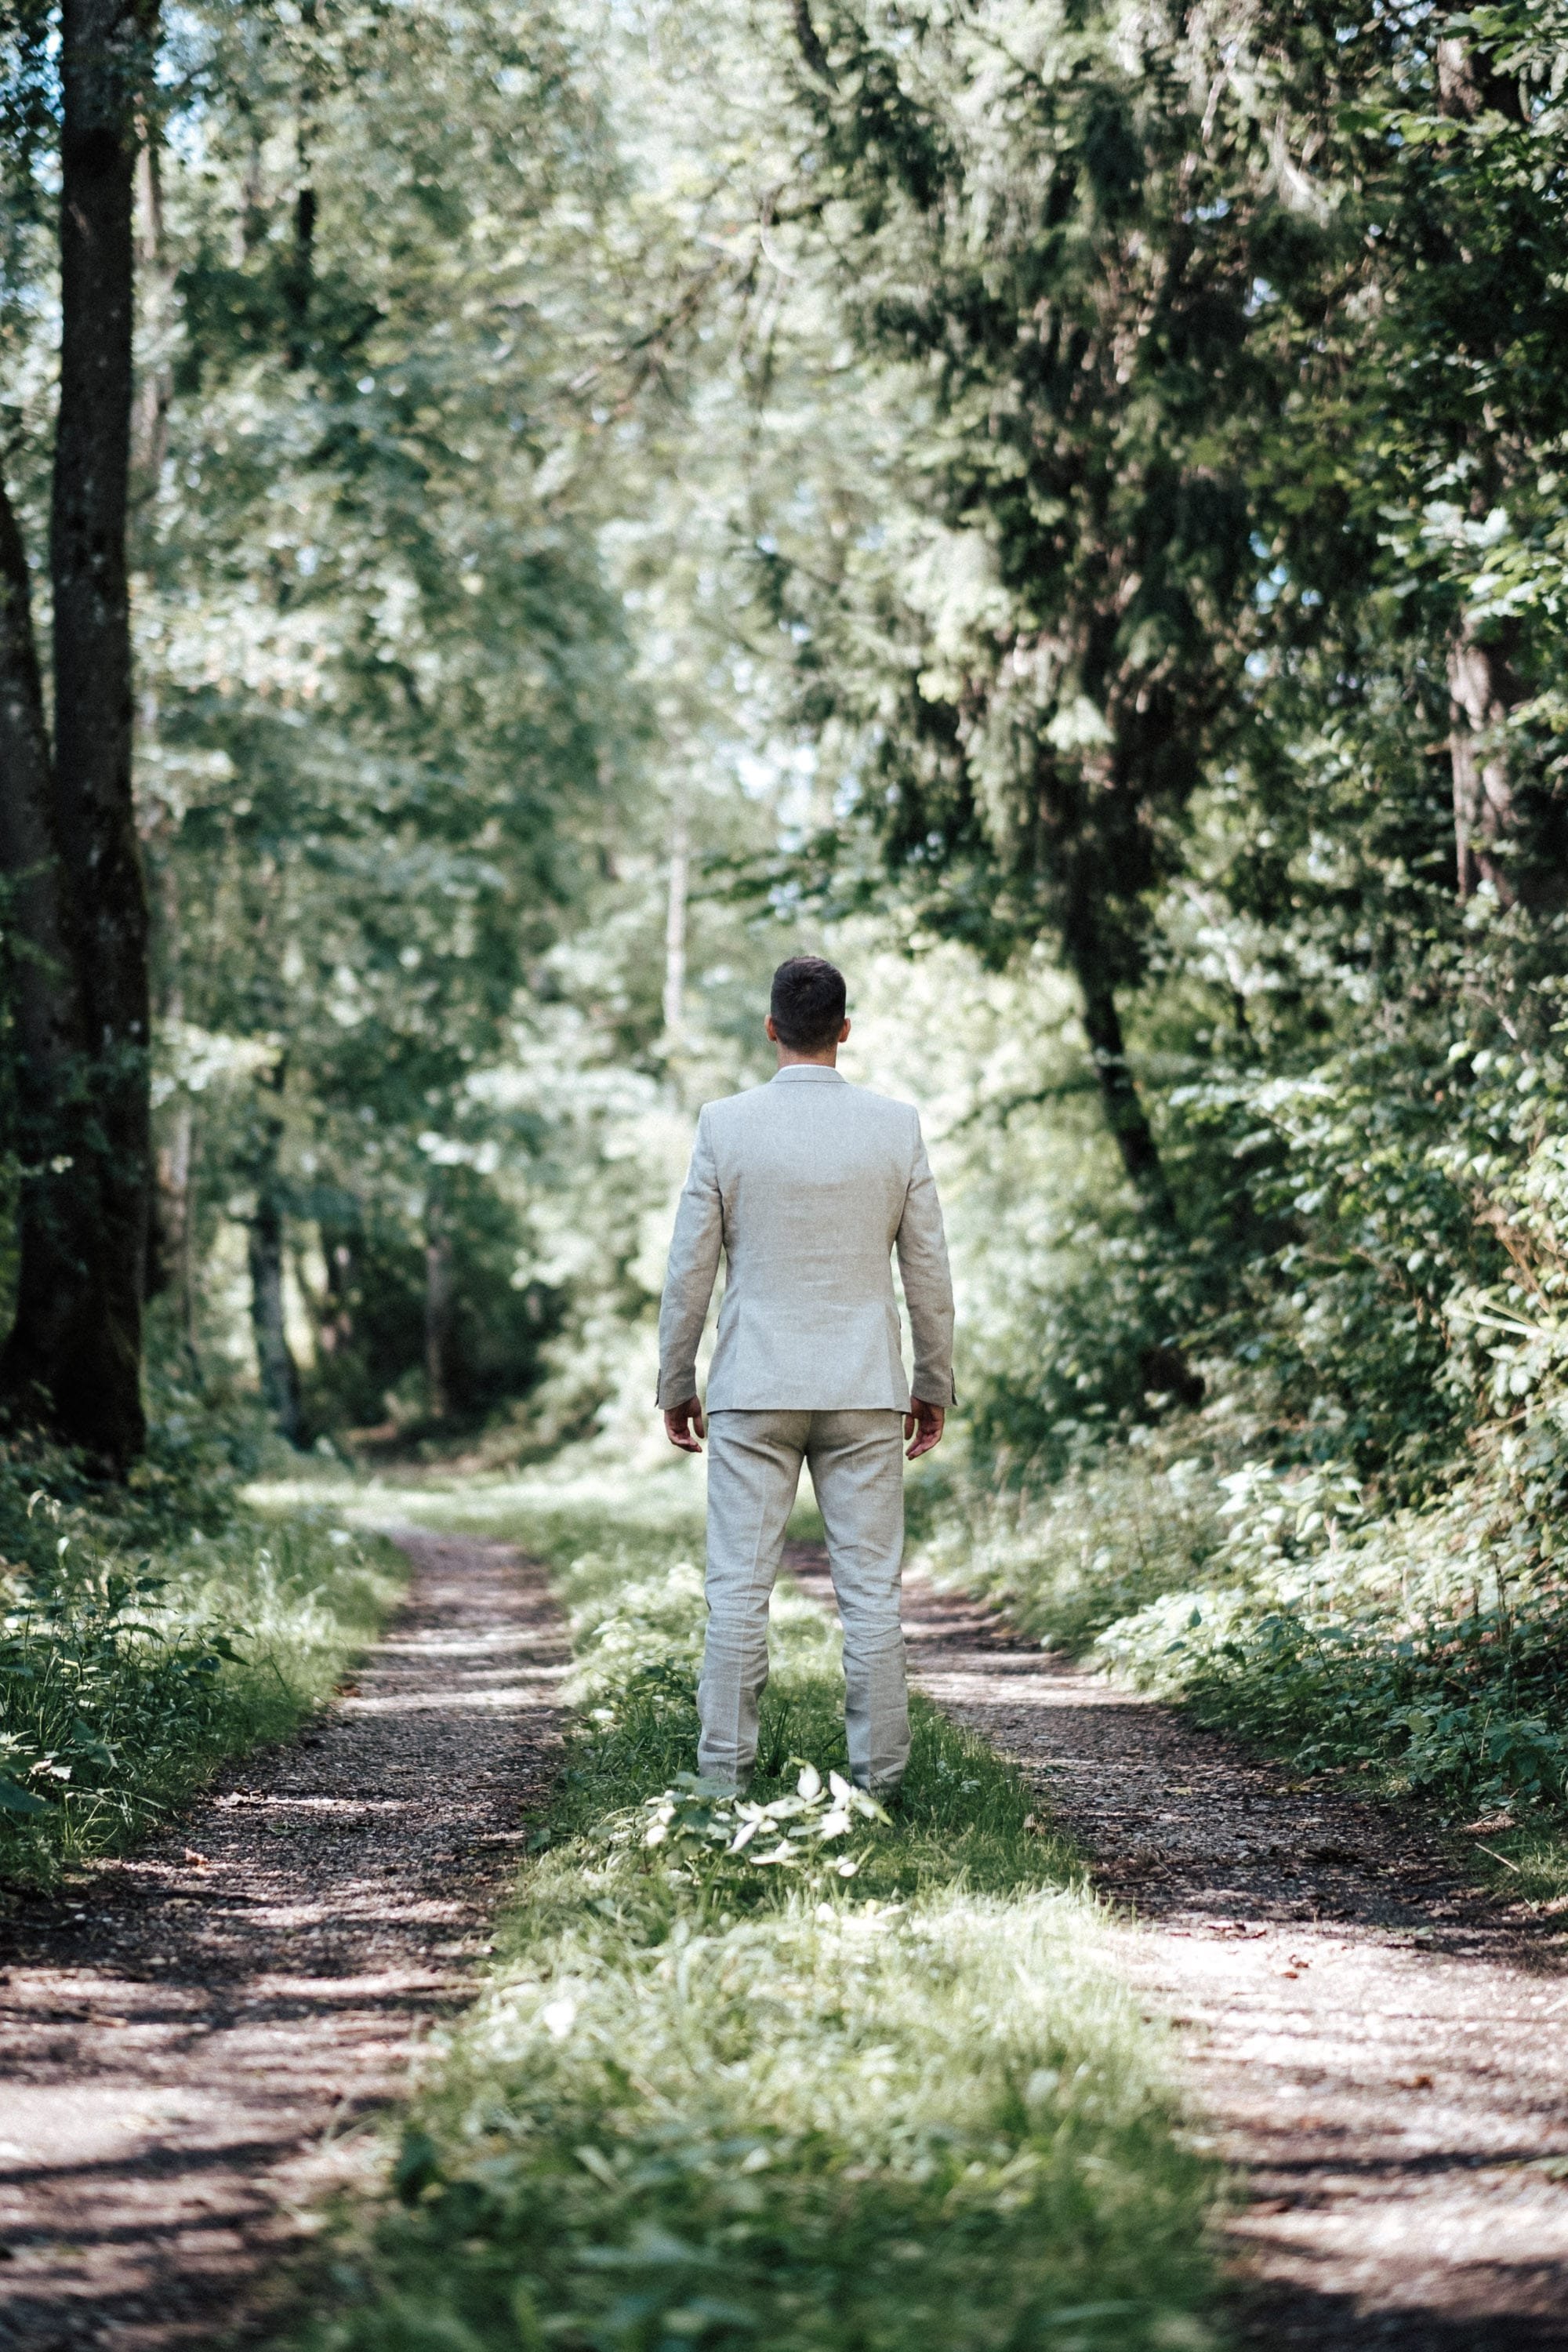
788	1061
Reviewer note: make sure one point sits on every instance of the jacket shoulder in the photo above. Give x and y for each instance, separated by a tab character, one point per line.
896	1114
727	1113
891	1103
725	1108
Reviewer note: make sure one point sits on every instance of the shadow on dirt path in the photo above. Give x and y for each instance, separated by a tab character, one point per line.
1381	2049
190	2037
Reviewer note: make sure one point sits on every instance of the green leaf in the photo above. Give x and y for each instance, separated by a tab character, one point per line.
418	2167
14	1799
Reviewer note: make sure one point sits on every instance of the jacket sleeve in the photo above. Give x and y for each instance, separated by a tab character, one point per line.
690	1277
928	1284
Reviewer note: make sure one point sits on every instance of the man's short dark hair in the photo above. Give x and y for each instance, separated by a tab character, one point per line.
807	1003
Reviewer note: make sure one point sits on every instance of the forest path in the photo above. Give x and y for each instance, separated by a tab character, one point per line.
187	2037
1383	2049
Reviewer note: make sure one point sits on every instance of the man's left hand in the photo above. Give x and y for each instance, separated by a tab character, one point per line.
683	1425
927	1420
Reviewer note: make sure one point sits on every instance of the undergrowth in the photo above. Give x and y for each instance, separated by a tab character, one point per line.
848	2084
127	1673
1423	1646
1064	1560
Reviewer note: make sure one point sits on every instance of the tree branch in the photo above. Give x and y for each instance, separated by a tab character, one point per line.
810	45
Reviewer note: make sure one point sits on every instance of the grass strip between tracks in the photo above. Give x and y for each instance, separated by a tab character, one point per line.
710	2101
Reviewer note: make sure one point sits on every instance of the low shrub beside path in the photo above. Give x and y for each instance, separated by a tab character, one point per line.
130	1668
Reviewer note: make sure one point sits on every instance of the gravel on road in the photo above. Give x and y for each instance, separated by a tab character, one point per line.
193	2039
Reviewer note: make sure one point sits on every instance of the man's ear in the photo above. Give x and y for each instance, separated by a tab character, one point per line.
773	1031
844	1034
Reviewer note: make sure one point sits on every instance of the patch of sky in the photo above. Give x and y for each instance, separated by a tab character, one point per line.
787	769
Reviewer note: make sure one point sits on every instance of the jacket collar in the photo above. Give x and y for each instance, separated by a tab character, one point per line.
811	1071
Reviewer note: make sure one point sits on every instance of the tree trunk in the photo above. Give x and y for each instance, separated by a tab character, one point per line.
810	43
105	63
336	1329
51	1365
1119	1098
674	931
275	1362
169	1241
440	1302
175	1270
1469	84
300	275
50	1029
274	1359
156	390
1482	694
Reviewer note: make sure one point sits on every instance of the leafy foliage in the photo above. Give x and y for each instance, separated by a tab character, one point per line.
123	1681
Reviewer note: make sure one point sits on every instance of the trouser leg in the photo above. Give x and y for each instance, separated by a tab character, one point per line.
753	1469
856	1468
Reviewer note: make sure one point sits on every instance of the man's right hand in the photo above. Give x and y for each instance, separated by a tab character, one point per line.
683	1425
924	1424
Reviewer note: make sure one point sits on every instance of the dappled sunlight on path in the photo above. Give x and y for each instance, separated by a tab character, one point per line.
190	2036
1382	2048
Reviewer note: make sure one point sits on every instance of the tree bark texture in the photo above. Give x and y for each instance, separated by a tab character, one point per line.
105	64
172	1266
675	929
1119	1098
336	1329
44	1000
274	1358
67	835
156	391
440	1308
810	43
275	1363
52	1365
1481	688
1481	693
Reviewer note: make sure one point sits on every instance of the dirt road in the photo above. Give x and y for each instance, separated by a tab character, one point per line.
1381	2049
190	2039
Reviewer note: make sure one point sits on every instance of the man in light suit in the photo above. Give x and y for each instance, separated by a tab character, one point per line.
807	1185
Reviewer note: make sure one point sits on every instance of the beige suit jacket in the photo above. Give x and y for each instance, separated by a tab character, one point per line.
807	1185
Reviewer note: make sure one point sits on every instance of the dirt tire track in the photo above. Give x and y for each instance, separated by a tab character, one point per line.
1382	2048
188	2043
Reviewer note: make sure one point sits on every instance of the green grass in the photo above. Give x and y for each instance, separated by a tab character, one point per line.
707	2100
1068	1560
1524	1862
126	1676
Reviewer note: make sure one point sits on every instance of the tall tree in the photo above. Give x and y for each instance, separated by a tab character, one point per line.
1057	227
73	1357
387	667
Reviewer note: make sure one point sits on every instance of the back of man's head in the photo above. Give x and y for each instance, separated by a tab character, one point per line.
807	1003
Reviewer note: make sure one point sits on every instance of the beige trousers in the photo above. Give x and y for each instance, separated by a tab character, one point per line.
753	1469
